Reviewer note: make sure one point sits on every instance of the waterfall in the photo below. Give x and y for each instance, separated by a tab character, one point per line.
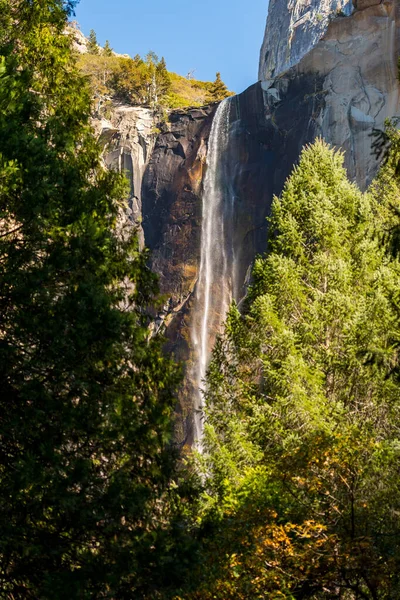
215	284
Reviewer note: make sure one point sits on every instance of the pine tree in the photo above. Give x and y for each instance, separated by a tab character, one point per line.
163	81
92	46
303	405
86	395
107	50
218	90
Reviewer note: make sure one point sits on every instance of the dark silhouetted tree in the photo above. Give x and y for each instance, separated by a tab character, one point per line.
86	393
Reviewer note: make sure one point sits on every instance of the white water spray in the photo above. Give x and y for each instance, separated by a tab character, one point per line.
216	276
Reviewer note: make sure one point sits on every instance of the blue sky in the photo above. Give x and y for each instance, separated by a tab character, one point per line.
205	36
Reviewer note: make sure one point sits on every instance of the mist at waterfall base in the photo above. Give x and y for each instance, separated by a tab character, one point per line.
216	284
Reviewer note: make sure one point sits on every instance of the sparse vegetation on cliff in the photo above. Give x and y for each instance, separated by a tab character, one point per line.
144	81
92	45
218	90
187	92
132	80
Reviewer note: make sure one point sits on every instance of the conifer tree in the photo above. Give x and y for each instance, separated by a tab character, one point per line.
86	395
92	46
163	81
158	81
131	80
107	50
303	405
218	90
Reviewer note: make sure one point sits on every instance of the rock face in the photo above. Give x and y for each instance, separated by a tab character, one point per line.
361	4
171	192
293	28
355	73
342	90
128	139
164	160
172	214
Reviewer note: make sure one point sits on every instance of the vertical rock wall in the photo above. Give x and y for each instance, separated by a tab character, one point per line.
357	64
128	139
293	28
172	216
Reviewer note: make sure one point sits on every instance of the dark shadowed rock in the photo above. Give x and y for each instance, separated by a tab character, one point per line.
171	200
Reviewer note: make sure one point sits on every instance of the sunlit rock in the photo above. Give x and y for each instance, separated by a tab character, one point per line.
293	28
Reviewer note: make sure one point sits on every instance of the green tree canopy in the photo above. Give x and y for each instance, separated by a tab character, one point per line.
142	81
218	90
303	404
107	50
92	46
86	394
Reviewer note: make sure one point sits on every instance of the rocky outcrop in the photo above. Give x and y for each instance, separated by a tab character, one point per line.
79	41
172	213
362	4
128	138
293	28
164	159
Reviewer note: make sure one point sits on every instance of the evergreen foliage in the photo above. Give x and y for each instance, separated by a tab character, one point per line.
142	81
218	90
132	80
303	403
299	476
86	505
93	47
107	50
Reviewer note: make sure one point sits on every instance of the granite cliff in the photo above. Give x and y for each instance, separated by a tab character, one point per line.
293	28
343	89
340	82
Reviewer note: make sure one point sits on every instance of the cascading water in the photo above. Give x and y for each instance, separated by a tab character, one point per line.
214	289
